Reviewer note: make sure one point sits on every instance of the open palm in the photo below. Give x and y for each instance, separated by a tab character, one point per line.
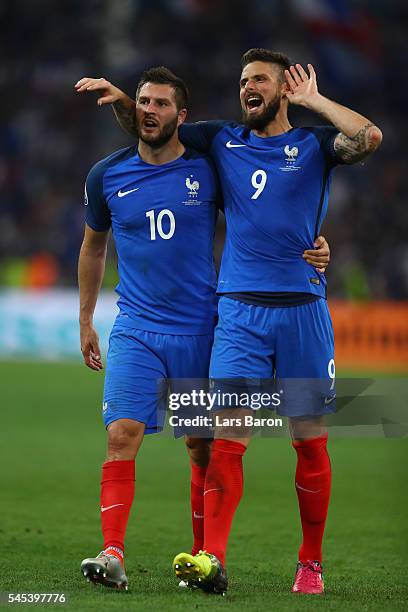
302	87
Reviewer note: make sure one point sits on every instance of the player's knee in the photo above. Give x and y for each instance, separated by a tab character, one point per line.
304	429
198	450
124	439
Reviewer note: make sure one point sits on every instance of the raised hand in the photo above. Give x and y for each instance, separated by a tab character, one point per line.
123	106
109	93
302	87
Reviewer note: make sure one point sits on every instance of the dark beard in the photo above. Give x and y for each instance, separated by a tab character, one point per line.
164	136
261	121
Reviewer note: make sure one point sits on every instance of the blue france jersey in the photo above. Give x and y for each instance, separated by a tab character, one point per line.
275	193
163	220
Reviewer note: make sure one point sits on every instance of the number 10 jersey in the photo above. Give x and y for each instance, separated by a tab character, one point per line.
163	220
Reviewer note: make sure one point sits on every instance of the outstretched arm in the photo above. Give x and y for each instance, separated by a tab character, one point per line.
358	136
123	106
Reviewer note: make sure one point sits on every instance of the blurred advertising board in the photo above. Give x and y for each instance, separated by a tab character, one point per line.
371	335
44	324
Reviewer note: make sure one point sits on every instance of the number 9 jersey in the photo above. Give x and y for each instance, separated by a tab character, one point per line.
275	193
163	221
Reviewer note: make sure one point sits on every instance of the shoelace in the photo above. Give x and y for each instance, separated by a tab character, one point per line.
314	576
314	566
103	553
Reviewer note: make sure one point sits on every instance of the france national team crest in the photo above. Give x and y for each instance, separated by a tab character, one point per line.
193	187
291	154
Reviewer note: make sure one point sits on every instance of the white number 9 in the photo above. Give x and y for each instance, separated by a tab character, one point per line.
259	185
331	370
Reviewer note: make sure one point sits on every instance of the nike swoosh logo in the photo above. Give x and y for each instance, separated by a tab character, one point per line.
230	145
104	509
198	515
329	400
209	491
307	490
122	194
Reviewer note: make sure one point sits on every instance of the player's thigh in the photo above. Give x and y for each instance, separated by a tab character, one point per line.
187	359
241	360
135	378
305	359
242	342
305	341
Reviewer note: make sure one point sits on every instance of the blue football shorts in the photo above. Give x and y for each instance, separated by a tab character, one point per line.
139	366
288	350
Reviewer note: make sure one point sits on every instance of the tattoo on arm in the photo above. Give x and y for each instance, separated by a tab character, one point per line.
353	149
125	113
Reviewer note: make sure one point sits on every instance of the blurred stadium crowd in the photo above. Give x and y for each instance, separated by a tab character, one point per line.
50	136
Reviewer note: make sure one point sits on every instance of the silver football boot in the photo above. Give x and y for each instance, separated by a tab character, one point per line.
105	569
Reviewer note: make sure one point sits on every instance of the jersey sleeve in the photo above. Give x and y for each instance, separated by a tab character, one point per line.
97	213
218	199
200	135
326	135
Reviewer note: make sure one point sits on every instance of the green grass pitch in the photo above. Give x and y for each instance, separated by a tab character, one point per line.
52	445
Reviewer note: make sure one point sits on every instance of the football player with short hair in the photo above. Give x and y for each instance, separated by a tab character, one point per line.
155	196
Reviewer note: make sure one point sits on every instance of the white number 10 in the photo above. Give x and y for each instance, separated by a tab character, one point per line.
162	234
258	181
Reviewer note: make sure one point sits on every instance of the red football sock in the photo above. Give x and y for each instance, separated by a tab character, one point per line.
117	492
197	506
223	491
313	480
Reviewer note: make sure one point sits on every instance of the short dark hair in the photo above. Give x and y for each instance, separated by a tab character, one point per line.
163	76
265	55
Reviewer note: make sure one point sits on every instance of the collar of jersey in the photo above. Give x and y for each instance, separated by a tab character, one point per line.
186	155
275	140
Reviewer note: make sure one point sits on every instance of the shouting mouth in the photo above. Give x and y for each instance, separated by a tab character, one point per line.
253	102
